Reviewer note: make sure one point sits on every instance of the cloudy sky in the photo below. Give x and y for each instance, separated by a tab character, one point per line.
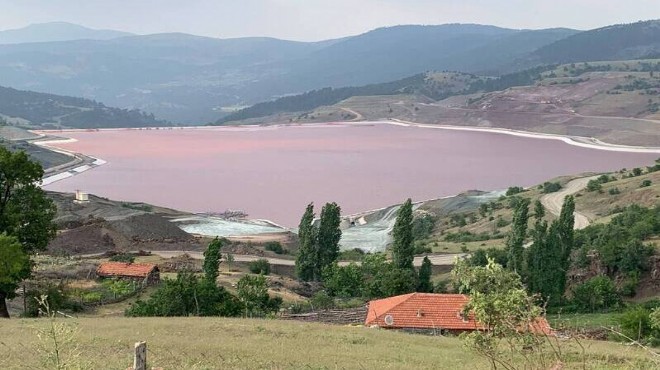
318	19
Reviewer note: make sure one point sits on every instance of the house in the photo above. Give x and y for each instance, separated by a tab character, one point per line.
430	313
144	273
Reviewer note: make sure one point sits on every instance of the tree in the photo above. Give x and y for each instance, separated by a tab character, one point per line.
536	260
25	214
14	267
498	301
403	249
305	261
328	237
212	261
424	283
253	295
230	260
515	241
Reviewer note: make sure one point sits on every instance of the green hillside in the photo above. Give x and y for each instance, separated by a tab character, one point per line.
34	109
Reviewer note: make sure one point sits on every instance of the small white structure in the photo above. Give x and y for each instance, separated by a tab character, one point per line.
81	197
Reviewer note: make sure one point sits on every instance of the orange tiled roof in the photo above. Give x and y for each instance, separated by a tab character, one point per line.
141	270
429	311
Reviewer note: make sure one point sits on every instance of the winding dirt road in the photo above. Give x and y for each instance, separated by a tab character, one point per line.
553	201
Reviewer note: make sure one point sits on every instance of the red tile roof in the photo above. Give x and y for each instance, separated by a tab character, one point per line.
429	311
138	270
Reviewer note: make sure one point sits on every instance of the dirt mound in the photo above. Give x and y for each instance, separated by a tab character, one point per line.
150	228
86	239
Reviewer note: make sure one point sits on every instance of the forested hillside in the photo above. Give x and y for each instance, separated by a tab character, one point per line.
628	41
54	111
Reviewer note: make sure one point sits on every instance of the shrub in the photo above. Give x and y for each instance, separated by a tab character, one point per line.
551	187
322	300
637	171
260	266
614	191
124	257
645	183
596	294
275	247
513	190
423	226
594	185
636	323
422	249
355	254
501	222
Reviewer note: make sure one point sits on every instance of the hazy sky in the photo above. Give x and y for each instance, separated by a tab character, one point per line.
318	19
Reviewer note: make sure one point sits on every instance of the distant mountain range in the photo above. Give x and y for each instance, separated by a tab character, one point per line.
56	31
191	79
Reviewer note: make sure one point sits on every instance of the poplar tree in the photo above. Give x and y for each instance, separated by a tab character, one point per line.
212	261
515	241
328	237
537	257
305	261
424	284
403	249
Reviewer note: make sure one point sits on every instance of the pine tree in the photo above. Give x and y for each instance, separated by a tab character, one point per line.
516	239
212	261
424	284
403	249
328	237
306	259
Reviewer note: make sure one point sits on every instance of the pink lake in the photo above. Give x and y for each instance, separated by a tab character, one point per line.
274	172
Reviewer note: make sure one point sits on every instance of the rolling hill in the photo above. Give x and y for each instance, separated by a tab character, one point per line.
619	42
39	110
56	31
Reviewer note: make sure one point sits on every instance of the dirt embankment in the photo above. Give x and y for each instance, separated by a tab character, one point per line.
102	225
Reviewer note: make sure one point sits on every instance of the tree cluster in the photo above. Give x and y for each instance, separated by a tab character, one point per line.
319	244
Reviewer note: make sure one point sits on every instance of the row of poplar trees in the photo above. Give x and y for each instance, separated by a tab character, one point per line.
319	245
543	263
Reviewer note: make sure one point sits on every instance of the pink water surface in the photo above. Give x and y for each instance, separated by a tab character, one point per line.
272	173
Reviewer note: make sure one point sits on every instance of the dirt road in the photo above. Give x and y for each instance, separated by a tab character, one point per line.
553	201
436	259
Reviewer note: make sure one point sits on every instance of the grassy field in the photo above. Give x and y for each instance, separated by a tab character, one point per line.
213	343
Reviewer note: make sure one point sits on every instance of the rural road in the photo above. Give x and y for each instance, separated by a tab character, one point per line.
553	201
436	259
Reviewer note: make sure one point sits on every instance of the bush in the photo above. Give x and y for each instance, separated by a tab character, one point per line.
260	266
124	257
596	294
422	249
637	171
645	183
594	185
423	226
514	190
187	296
275	247
501	222
636	324
355	254
614	191
551	187
322	300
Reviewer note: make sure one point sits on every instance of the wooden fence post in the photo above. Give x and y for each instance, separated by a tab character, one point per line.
140	361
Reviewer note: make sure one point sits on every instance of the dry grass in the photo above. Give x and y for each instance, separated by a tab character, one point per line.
212	343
